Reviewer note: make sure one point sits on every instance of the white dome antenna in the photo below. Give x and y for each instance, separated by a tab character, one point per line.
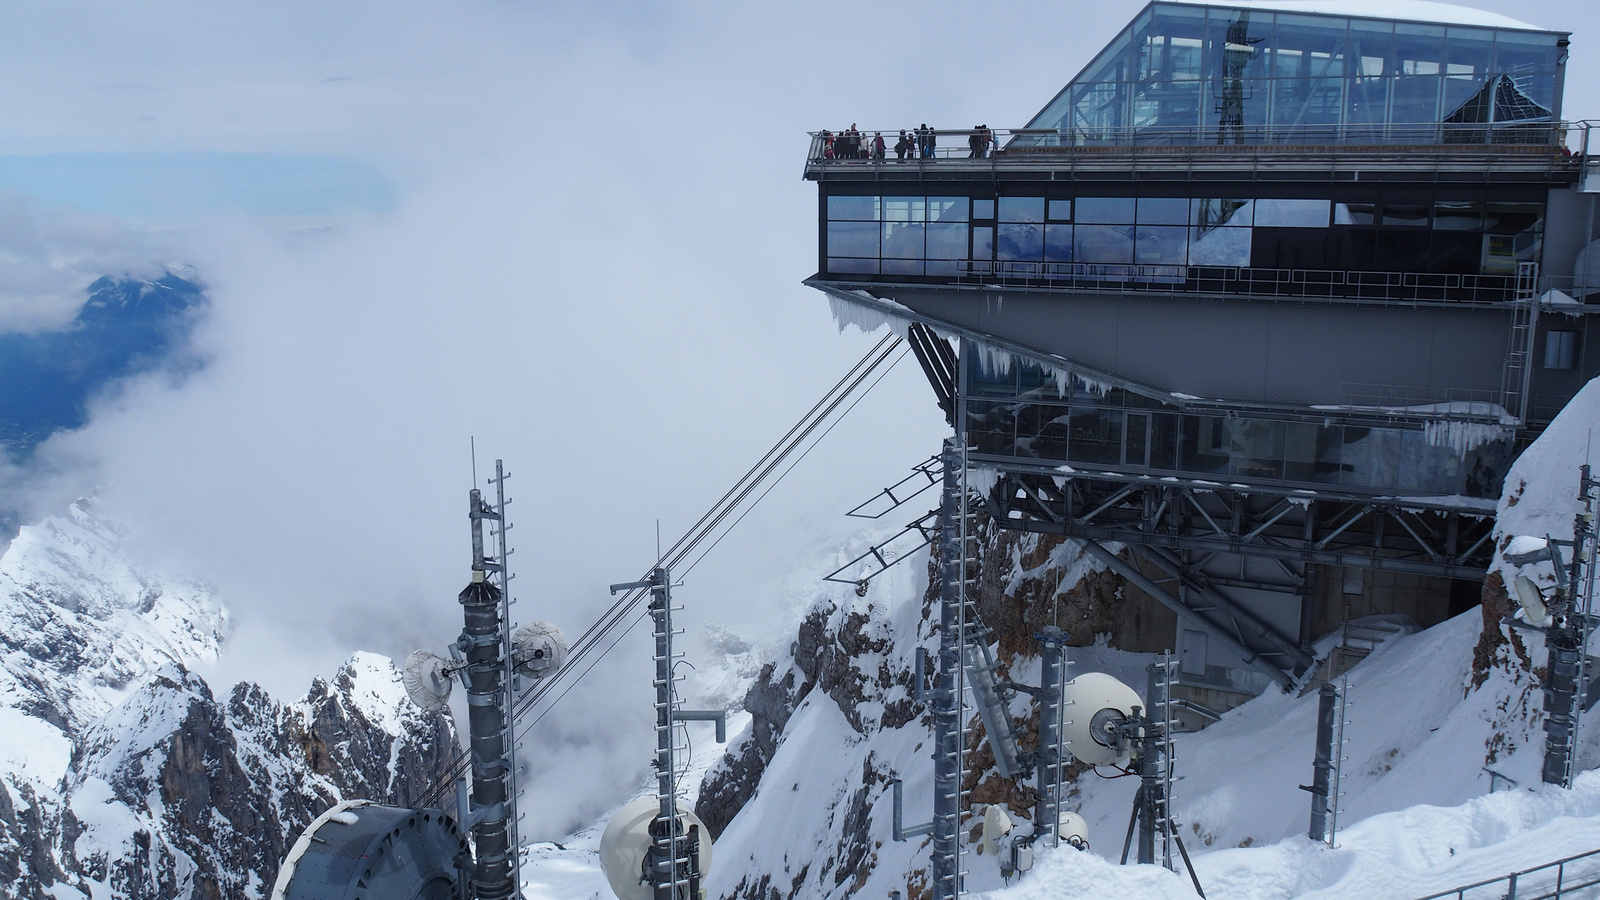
625	849
427	677
1097	709
538	649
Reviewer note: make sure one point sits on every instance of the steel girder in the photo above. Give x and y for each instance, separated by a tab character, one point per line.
1174	527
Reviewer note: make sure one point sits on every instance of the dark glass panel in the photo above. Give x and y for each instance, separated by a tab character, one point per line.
984	381
852	239
1402	250
947	209
1457	216
1292	213
1021	243
1105	210
1219	246
1455	252
902	267
1060	210
1418	49
846	266
1106	244
1510	218
990	427
860	209
1371	46
1161	245
1416	100
1163	441
902	240
1468	52
1413	214
1256	448
905	209
982	242
1162	211
1330	441
1135	439
947	241
1367	103
1355	249
1058	243
983	209
1022	209
945	267
1096	436
1203	448
1300	444
1294	248
1207	212
1499	254
1354	213
1518	53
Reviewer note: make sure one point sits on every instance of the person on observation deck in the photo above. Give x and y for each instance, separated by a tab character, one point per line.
877	145
905	145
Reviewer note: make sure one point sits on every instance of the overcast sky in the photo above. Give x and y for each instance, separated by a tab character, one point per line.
574	231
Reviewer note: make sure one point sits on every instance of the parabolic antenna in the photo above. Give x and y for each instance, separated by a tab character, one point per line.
538	648
1096	706
626	843
1072	829
1532	599
426	680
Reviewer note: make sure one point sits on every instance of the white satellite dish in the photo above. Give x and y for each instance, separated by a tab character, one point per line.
1073	829
996	825
1097	705
1531	599
626	843
427	680
538	649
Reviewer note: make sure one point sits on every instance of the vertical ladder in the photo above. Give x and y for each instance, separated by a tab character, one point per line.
1517	375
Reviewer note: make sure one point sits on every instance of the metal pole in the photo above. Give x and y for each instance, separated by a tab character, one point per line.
1322	766
946	724
504	558
481	642
1047	765
667	866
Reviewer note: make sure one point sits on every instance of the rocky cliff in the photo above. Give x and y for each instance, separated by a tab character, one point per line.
123	775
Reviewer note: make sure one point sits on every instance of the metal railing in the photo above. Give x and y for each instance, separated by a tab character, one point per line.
1551	881
828	147
1256	282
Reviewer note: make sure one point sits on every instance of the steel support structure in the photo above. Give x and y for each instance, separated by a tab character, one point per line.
1323	763
1049	759
946	702
1567	640
1173	527
482	644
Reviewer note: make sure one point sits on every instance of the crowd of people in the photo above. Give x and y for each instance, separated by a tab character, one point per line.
921	142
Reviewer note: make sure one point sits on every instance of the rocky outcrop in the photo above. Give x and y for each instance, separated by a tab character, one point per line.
732	782
125	777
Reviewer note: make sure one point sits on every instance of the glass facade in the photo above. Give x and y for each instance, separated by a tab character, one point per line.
1174	240
1025	414
1187	73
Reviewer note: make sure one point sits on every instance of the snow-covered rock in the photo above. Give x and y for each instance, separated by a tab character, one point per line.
124	777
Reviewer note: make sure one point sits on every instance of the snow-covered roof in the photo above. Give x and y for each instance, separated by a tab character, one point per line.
1403	10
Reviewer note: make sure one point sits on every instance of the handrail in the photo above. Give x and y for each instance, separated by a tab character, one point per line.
1253	281
1512	881
953	143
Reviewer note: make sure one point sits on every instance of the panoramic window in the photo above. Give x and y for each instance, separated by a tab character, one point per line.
1187	74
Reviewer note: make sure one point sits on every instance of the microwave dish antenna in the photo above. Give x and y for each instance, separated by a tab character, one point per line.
627	841
538	649
426	676
1098	707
